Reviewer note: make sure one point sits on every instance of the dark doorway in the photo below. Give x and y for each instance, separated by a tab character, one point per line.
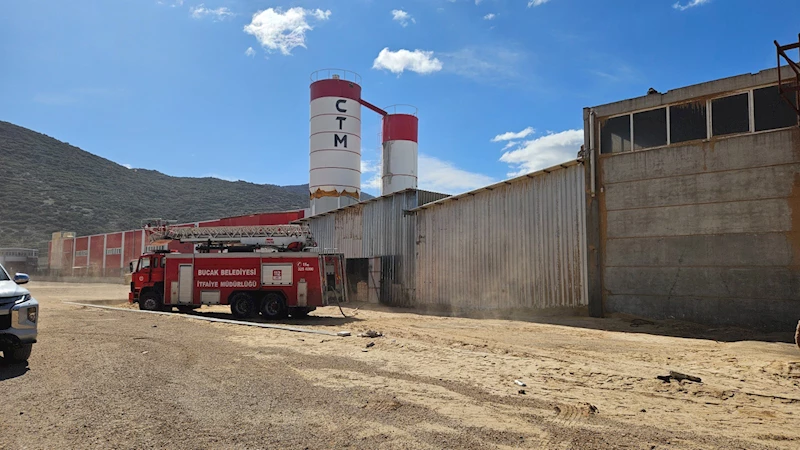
357	270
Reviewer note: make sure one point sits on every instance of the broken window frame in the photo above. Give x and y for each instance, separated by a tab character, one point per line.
666	122
709	119
681	104
600	127
781	101
710	113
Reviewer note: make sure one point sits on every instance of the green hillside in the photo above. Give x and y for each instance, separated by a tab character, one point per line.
47	185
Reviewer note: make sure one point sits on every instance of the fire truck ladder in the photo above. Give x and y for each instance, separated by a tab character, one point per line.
229	234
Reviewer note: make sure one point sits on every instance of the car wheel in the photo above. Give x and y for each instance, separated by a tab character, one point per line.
19	354
274	307
243	306
150	301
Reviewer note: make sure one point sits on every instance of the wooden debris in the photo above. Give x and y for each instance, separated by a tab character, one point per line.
682	376
677	376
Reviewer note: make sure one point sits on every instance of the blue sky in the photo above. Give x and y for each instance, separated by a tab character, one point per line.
220	87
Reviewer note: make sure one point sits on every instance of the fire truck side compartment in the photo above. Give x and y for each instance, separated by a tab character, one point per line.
214	277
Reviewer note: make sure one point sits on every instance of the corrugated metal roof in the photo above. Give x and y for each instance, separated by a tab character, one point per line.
423	196
500	184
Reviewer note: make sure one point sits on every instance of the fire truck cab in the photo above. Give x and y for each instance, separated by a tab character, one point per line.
275	284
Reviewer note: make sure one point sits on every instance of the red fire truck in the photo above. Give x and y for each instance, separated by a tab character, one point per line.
239	274
275	284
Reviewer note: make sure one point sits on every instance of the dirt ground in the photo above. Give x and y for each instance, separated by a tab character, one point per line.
123	379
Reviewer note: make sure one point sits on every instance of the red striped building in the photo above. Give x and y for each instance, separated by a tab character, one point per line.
108	254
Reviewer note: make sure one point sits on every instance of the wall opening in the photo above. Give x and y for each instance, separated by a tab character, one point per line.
357	272
687	122
615	135
730	115
771	111
650	129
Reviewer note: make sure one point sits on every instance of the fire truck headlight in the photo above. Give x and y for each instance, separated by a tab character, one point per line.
32	314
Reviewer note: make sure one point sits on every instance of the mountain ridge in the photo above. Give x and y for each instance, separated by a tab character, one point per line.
48	185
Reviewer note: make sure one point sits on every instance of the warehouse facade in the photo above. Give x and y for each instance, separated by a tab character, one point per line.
696	197
518	245
512	246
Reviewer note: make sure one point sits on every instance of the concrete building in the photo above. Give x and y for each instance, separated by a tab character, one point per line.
23	260
693	204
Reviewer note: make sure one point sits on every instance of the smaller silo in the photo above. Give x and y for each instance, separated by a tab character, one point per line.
399	156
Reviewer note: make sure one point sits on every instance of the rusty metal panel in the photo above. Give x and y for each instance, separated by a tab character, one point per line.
323	228
349	231
519	245
378	228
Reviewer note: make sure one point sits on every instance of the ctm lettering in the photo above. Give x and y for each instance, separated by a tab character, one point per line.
336	139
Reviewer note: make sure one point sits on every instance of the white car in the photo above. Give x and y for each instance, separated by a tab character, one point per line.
19	313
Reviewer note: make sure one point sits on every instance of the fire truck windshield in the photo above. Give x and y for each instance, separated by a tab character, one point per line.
144	263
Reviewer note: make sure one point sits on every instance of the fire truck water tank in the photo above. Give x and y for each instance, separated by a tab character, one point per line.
399	156
335	142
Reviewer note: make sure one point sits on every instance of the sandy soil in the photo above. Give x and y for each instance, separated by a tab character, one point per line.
113	379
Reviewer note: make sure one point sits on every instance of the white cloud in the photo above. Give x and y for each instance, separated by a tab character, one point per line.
434	175
489	16
510	135
534	3
127	166
371	176
201	12
543	152
442	176
691	4
402	17
283	31
419	61
250	52
509	144
478	2
175	4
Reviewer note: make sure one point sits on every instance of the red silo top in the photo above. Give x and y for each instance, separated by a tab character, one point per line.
400	127
335	88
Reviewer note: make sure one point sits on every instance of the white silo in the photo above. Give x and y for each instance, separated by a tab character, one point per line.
335	141
399	156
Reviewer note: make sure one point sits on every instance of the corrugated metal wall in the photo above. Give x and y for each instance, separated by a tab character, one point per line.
377	228
519	245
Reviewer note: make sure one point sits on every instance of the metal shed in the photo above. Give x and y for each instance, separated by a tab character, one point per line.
377	237
518	244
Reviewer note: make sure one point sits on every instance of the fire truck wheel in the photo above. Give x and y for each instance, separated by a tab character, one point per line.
243	306
150	301
274	307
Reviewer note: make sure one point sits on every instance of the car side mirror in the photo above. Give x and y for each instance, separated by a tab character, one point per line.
130	267
21	278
